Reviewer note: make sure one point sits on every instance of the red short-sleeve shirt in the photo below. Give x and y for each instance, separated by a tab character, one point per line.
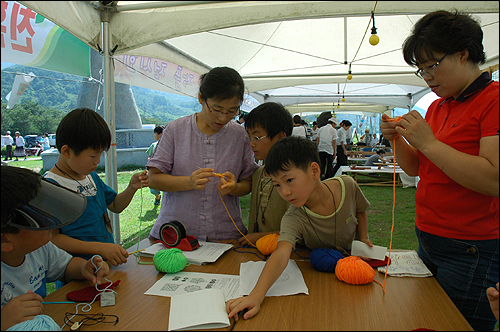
444	207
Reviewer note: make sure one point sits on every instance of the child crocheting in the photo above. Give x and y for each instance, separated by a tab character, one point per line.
326	214
82	136
31	209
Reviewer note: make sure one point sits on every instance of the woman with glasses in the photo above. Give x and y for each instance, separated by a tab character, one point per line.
190	152
455	152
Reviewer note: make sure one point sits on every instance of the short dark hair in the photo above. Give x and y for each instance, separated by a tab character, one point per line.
347	123
19	186
444	32
222	83
272	117
292	151
297	119
381	151
158	129
83	128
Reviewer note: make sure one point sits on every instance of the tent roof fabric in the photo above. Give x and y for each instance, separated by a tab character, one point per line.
275	45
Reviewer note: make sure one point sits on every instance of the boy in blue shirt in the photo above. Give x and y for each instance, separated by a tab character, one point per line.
82	136
31	209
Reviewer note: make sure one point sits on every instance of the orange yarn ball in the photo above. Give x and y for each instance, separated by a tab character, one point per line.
353	270
267	244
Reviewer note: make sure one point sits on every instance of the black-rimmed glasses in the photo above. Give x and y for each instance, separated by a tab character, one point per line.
429	71
232	114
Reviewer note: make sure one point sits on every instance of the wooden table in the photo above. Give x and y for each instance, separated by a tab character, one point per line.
408	303
377	177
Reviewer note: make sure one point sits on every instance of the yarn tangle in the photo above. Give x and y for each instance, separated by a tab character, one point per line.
324	260
267	244
38	323
355	271
170	260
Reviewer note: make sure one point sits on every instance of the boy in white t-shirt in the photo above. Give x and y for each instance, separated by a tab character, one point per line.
31	208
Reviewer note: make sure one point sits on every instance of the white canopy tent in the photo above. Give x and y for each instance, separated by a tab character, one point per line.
274	45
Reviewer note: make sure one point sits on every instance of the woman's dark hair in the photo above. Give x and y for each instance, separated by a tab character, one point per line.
444	32
222	83
272	117
292	151
83	128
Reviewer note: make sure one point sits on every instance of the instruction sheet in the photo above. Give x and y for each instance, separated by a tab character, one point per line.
172	284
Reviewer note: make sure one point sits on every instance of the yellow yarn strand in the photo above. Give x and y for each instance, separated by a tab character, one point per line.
224	182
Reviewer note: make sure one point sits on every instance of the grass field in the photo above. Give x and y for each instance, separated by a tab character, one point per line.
138	218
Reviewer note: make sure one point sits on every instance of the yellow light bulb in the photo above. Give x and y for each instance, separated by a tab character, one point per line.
349	77
343	99
374	39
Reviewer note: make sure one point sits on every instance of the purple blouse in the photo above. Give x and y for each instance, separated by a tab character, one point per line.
181	150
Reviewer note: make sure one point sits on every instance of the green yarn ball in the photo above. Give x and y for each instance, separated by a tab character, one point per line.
169	260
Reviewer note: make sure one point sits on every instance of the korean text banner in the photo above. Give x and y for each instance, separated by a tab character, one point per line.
29	39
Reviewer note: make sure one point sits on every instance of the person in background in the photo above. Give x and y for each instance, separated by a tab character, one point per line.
298	129
157	134
327	147
341	145
45	142
455	152
323	214
241	119
82	136
379	157
31	209
19	151
367	138
8	141
265	125
314	132
190	152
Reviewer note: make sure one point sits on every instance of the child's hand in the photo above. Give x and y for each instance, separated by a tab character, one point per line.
493	297
21	308
225	187
233	307
139	179
369	244
89	270
113	253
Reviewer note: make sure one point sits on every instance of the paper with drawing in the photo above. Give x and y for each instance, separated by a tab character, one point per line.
290	282
188	282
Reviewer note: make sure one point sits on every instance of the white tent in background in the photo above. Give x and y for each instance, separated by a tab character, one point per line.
274	45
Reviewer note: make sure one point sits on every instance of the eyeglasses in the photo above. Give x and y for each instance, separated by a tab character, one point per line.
232	114
429	71
256	139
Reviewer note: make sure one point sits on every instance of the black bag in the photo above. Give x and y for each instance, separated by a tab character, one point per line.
323	118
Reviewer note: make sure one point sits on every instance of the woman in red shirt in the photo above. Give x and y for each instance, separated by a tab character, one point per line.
455	152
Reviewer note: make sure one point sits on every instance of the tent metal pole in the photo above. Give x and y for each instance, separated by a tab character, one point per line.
109	117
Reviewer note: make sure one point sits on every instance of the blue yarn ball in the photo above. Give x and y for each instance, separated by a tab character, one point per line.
39	323
325	260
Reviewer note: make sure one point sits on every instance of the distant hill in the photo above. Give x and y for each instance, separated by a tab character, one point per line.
60	91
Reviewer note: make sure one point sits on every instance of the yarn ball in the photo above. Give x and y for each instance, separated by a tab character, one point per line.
170	260
267	244
325	260
38	323
355	271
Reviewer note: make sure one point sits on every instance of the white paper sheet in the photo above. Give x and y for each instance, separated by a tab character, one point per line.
208	252
290	282
359	248
187	282
199	310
